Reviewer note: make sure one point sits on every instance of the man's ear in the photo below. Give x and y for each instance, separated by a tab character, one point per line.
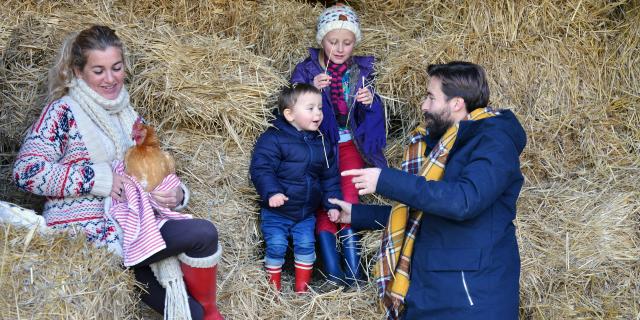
288	114
458	104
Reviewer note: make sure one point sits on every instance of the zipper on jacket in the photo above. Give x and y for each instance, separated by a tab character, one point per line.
324	149
466	289
306	140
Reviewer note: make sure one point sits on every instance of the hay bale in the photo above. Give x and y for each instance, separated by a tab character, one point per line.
75	280
205	83
568	69
278	30
579	248
23	70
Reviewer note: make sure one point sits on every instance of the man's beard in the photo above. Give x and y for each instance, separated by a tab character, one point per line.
436	124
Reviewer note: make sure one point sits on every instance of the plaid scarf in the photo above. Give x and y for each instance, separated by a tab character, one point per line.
336	91
392	270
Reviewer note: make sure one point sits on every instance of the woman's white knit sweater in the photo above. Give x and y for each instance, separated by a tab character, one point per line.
66	156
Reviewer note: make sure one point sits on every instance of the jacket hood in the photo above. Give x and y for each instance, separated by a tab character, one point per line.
506	121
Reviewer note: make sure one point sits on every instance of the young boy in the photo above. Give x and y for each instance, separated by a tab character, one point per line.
294	172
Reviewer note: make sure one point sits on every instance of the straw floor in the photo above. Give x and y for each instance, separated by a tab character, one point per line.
206	72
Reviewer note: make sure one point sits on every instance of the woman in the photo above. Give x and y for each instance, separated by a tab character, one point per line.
67	157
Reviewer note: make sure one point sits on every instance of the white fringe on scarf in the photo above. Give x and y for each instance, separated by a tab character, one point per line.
169	274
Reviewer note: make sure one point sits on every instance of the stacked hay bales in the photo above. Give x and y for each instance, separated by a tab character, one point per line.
205	73
47	277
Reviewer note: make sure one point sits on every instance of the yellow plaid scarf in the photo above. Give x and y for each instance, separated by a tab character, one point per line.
394	259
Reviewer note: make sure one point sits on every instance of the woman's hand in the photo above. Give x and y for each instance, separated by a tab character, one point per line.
364	96
169	198
321	80
117	187
345	211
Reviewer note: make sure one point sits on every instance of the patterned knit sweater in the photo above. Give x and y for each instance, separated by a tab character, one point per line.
67	158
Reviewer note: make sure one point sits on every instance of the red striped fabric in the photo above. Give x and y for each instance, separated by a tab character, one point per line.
141	218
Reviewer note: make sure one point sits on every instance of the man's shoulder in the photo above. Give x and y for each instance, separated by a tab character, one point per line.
505	126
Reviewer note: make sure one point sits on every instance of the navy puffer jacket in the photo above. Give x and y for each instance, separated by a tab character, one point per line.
297	164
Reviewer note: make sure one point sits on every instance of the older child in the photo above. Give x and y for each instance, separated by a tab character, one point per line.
294	172
353	120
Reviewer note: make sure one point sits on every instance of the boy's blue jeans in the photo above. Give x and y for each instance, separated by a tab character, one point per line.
276	230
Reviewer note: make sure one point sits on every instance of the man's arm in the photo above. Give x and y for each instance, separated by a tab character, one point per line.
369	217
362	216
488	173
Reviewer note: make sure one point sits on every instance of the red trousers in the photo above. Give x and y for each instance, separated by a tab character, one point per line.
348	158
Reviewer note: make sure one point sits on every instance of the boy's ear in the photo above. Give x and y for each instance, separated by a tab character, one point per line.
288	114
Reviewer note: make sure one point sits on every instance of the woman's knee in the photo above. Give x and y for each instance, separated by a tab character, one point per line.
206	230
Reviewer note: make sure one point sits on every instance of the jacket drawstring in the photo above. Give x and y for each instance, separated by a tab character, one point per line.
324	149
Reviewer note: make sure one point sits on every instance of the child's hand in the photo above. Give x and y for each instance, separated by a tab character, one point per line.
345	214
277	200
334	215
364	96
321	80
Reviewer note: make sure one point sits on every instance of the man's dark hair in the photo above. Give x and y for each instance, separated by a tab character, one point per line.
463	79
289	94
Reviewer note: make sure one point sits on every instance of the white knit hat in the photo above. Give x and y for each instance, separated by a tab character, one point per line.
338	17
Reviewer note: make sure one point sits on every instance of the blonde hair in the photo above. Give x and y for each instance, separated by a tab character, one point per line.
73	55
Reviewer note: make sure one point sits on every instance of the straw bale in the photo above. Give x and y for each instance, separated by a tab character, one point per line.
568	69
74	281
579	246
278	30
281	31
204	17
23	70
205	83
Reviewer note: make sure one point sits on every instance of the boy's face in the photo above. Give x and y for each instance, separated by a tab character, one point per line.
306	113
338	45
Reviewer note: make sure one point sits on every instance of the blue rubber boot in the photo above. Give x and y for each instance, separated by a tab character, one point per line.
351	252
332	266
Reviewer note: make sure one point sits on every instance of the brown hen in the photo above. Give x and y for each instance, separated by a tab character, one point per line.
145	160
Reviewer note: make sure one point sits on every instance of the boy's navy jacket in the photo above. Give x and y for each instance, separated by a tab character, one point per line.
367	122
465	261
294	163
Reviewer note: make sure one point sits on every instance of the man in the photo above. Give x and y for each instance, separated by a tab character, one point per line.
460	259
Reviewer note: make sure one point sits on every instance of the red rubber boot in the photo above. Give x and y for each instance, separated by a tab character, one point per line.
275	276
303	275
200	280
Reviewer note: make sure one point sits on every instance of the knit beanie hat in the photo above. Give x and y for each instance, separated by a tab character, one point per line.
338	17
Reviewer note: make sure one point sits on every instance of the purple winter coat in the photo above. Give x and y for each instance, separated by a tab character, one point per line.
367	123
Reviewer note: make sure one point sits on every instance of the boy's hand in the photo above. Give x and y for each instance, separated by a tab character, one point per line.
277	200
333	214
321	80
364	96
345	215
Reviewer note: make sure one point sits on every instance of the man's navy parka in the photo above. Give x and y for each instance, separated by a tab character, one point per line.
466	263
